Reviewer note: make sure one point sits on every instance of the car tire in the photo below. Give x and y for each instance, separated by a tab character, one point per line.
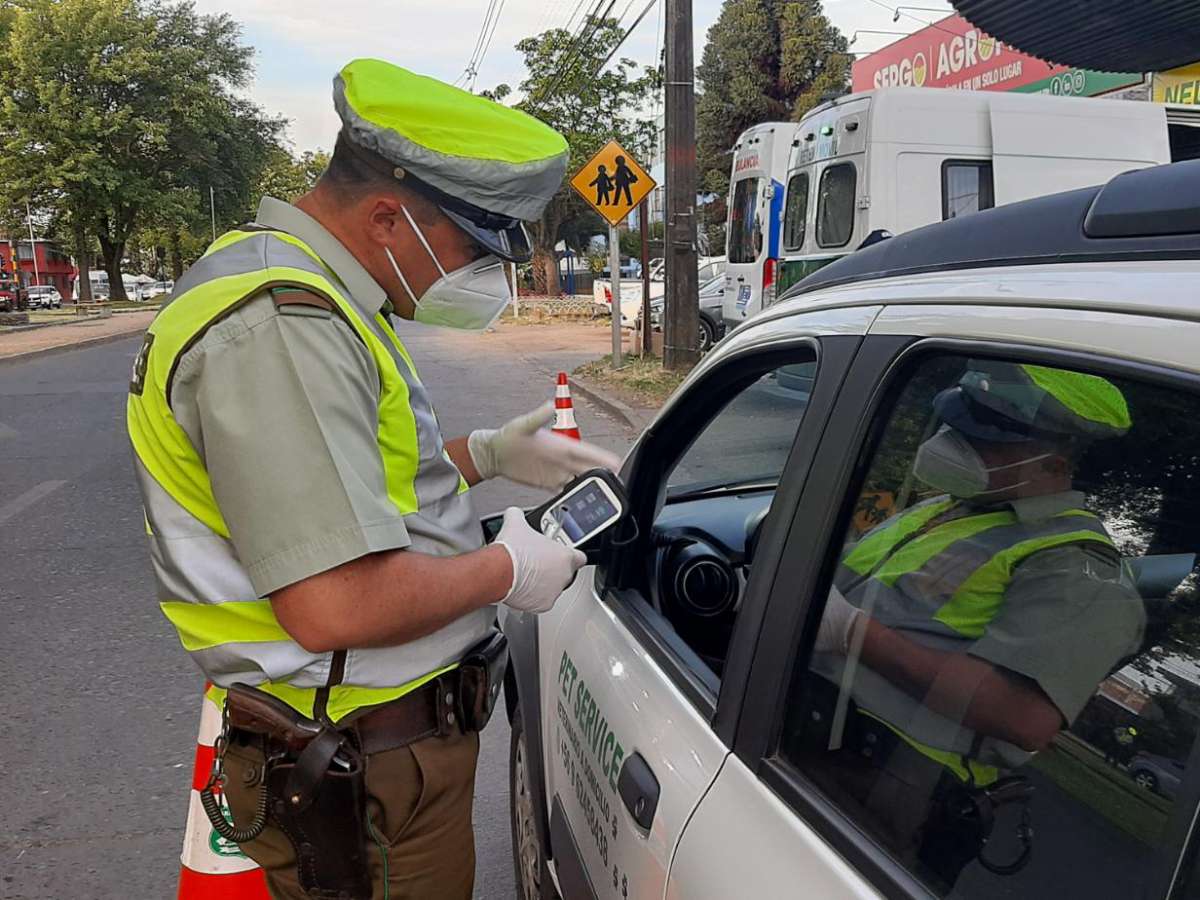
531	873
708	334
1146	780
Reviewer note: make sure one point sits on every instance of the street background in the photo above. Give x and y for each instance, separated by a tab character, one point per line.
102	705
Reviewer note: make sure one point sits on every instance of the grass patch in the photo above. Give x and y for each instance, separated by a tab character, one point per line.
641	381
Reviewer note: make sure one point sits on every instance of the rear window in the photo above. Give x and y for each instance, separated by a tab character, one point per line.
835	205
745	234
796	212
967	187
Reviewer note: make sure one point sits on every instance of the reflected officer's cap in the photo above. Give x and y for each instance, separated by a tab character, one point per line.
487	166
1009	402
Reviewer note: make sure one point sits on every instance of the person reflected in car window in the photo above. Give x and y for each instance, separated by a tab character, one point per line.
967	631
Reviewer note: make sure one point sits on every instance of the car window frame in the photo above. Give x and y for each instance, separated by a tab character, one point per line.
879	373
653	459
787	208
977	164
819	214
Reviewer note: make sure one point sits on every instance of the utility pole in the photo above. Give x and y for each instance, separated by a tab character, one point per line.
681	313
647	343
37	278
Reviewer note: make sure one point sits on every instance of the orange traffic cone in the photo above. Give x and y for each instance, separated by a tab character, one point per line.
564	411
213	868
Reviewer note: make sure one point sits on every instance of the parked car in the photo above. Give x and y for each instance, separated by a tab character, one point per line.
154	289
43	296
1159	774
712	326
8	296
631	291
675	734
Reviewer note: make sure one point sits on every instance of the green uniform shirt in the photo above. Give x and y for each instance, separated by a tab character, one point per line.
282	405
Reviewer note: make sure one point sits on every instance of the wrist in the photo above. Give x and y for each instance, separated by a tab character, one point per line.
482	453
503	569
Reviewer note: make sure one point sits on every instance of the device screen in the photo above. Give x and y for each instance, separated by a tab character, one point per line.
583	512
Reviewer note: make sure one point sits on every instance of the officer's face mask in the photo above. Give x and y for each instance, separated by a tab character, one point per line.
470	298
948	462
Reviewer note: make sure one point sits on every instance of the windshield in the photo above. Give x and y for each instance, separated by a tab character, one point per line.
744	230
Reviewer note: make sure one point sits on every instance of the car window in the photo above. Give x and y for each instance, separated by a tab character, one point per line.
796	212
745	237
835	205
967	187
1004	686
748	441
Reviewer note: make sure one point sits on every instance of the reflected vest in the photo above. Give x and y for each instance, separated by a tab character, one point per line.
203	589
939	573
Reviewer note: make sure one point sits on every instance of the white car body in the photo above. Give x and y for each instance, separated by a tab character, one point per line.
608	688
43	296
631	288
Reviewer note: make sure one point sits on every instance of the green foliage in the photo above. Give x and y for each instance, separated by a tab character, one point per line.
287	177
114	109
765	60
565	89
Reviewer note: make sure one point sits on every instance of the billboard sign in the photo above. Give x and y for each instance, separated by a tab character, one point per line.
953	53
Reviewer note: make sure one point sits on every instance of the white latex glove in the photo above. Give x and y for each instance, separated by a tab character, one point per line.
525	452
542	568
837	624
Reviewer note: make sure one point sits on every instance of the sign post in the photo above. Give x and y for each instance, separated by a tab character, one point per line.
614	265
613	184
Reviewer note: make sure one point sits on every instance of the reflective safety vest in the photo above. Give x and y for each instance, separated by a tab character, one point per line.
203	589
940	574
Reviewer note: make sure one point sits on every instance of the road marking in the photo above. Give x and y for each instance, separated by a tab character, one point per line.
27	499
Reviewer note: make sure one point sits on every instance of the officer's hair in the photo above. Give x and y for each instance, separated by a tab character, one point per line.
350	174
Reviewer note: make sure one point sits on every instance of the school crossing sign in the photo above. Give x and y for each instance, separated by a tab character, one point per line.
613	182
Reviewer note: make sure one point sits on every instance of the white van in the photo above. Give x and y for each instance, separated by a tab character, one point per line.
752	243
896	159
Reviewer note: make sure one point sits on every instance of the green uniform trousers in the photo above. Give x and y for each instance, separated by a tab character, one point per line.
419	805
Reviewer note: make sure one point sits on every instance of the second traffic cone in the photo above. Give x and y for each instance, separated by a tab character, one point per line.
213	868
564	410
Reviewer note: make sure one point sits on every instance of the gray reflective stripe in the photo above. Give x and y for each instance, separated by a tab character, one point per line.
376	667
254	663
941	576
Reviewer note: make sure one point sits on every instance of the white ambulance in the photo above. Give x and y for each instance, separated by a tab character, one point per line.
895	159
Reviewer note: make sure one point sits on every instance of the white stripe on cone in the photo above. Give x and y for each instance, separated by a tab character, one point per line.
204	850
562	390
564	419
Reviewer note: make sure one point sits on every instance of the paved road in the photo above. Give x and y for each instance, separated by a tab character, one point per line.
100	705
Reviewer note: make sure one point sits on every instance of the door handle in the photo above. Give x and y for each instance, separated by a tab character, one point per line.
639	790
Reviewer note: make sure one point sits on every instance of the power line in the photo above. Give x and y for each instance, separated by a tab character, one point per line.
491	34
625	37
895	10
469	71
566	64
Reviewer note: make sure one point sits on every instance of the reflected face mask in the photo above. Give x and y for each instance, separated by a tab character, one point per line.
948	462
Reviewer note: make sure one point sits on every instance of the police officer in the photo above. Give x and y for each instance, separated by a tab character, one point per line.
312	534
982	619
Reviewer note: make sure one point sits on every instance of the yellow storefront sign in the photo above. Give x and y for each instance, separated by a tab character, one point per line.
1180	85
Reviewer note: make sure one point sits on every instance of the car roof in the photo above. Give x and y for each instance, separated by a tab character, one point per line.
1147	214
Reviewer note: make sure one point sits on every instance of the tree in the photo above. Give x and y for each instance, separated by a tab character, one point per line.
764	60
111	107
565	88
288	177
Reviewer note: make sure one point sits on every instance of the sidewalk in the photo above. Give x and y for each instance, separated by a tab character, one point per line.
17	344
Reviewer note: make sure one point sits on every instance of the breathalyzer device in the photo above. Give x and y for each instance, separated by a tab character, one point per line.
588	506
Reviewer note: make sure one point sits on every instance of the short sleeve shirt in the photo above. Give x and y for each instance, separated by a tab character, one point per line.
282	406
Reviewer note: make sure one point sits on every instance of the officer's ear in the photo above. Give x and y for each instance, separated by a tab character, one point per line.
385	219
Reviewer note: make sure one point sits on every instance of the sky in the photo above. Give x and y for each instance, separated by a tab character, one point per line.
301	44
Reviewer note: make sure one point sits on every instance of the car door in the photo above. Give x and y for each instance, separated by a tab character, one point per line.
836	809
633	732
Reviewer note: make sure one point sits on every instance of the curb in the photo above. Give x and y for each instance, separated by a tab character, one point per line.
64	348
634	418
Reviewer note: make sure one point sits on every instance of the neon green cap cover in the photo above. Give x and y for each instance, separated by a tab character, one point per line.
498	159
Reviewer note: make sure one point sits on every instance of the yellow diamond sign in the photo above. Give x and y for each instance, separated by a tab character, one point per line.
613	182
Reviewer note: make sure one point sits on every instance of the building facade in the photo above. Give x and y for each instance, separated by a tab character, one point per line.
38	263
